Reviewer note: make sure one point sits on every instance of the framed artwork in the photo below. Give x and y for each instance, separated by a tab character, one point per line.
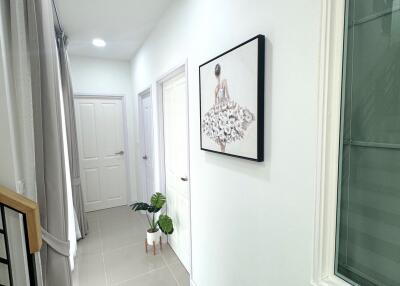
232	101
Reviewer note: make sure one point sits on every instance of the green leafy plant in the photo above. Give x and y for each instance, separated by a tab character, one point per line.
164	222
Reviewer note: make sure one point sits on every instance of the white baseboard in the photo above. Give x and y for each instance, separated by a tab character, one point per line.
192	282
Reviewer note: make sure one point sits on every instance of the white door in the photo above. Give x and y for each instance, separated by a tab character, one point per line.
101	152
177	164
146	146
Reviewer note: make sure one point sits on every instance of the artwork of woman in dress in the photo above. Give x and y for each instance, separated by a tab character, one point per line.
226	122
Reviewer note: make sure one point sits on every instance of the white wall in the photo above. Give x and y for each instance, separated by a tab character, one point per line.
252	223
93	76
7	177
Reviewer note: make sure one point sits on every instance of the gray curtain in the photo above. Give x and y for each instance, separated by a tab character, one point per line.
49	157
68	98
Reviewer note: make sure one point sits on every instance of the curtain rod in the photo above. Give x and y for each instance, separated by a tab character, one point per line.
57	17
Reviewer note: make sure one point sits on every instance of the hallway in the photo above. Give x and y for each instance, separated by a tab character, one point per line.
113	254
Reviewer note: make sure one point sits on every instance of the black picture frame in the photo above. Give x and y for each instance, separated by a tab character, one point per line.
260	98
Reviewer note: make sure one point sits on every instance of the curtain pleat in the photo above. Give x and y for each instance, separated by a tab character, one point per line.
68	98
49	155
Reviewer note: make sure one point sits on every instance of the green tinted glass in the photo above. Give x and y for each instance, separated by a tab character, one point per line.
368	231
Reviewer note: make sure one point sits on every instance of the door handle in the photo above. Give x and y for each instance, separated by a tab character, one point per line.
144	157
120	153
185	179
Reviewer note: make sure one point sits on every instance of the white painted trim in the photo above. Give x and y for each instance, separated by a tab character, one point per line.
141	165
329	97
160	135
183	67
128	151
192	282
98	95
172	73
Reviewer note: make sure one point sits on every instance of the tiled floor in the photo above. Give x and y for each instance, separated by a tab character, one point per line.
113	254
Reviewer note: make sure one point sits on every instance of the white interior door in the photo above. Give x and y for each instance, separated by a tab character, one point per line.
101	152
177	164
146	145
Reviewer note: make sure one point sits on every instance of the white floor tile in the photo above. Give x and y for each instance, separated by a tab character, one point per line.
169	255
129	262
113	253
180	273
161	277
91	244
90	270
122	232
93	221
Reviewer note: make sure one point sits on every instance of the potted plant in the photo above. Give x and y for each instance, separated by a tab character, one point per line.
163	222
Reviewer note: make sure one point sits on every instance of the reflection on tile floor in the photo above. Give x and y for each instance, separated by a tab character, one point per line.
113	254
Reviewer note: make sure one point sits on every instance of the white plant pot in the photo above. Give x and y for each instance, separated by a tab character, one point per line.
153	236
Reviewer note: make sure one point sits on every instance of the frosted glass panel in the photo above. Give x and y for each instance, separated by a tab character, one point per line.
4	280
3	253
368	233
16	260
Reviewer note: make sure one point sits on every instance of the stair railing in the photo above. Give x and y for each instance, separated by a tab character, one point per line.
29	210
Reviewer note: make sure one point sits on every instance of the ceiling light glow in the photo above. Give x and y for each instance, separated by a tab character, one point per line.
99	42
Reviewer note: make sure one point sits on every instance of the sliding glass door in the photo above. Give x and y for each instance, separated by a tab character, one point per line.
368	230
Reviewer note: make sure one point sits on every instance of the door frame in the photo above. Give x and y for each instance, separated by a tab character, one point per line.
141	165
122	97
180	68
330	73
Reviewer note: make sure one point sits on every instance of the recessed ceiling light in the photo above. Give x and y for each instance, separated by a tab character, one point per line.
99	42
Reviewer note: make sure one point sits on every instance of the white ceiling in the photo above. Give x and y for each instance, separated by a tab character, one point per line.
123	24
